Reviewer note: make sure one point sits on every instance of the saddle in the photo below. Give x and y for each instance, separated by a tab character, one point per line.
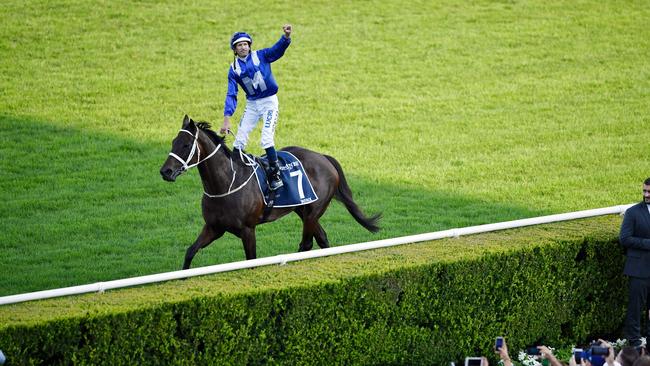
297	189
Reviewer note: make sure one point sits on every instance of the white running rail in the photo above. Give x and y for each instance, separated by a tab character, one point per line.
285	258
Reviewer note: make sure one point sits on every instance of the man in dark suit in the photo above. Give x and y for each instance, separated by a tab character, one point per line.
635	238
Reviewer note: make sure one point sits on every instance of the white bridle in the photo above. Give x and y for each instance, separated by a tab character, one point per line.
197	149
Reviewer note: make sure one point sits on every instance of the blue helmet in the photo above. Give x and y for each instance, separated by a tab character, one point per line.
240	37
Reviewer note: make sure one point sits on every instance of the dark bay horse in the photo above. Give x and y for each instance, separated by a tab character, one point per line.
233	202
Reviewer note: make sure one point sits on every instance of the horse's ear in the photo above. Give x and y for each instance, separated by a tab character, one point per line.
186	120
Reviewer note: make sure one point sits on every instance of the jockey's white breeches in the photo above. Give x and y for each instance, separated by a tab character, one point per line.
267	110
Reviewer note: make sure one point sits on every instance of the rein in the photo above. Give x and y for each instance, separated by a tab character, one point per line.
197	149
234	174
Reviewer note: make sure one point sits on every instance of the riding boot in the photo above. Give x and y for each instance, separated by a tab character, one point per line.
275	181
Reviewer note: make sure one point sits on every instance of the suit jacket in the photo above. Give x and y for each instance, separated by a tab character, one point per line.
635	237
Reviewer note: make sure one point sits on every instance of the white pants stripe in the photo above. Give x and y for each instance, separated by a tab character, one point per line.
265	109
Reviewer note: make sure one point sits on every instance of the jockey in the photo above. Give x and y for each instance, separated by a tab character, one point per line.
252	71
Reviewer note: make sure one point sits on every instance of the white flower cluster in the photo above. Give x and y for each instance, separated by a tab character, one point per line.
531	360
528	360
620	343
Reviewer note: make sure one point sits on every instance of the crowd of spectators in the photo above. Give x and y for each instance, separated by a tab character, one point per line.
600	353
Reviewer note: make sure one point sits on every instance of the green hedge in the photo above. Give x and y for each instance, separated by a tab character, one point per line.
426	303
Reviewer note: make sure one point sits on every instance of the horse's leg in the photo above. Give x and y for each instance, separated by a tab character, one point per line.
307	230
207	236
321	236
247	235
307	242
311	229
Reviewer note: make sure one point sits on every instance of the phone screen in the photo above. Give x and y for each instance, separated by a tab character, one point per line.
577	354
499	343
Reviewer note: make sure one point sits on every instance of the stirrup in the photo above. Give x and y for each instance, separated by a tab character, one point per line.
275	182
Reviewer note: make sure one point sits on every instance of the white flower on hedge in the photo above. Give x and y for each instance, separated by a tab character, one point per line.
528	360
619	344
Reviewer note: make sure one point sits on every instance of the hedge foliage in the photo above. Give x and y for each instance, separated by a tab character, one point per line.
426	303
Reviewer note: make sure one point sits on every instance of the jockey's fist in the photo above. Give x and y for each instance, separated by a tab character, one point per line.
226	125
287	30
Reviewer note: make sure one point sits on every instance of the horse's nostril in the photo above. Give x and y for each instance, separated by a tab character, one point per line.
166	174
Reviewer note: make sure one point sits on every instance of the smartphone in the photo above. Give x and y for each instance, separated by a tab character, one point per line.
498	343
533	351
473	361
577	354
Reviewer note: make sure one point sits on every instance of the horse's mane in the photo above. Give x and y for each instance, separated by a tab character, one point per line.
218	140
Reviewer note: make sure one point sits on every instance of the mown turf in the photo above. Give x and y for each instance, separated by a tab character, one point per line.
442	114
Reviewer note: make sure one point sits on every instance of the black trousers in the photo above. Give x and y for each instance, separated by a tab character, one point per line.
636	309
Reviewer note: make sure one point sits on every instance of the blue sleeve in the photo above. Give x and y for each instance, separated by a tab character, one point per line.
231	96
277	50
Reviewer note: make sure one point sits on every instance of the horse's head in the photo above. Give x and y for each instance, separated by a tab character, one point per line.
185	151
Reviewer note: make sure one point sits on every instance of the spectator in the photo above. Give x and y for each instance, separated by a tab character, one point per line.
548	354
588	361
503	354
627	356
635	238
610	360
642	361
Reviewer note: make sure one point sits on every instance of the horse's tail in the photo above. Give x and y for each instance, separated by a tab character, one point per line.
344	195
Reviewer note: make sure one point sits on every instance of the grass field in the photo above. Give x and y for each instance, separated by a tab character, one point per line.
443	114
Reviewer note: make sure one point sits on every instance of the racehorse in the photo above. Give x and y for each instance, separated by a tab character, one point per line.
232	201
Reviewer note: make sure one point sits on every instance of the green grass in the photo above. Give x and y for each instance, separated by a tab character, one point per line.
442	114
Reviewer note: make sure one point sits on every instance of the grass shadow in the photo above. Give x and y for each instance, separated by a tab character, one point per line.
81	207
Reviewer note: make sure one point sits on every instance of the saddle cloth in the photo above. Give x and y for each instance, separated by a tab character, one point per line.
297	189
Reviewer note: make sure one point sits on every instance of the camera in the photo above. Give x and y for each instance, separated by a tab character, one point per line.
473	361
533	351
498	343
599	351
595	354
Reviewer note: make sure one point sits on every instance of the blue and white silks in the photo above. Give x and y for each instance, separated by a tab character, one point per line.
254	75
